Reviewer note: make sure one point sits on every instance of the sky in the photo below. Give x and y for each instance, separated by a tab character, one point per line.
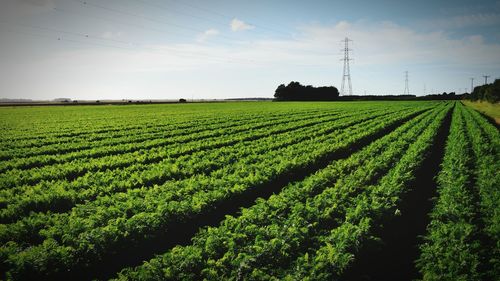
171	49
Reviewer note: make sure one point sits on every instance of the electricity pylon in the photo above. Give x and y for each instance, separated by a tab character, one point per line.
347	70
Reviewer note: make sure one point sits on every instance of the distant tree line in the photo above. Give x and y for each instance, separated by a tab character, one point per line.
487	92
443	96
376	97
294	91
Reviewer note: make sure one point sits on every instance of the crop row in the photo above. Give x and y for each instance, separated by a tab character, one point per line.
123	155
62	195
33	130
339	247
227	170
42	123
463	237
92	122
452	250
273	239
137	162
28	227
112	223
133	143
485	141
142	134
61	146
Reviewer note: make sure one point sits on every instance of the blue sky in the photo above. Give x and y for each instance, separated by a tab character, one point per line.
154	49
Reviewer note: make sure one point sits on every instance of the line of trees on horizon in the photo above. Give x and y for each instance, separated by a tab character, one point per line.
487	92
295	91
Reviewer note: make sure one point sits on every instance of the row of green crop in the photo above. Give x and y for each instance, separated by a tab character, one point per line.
132	143
338	248
62	195
485	140
452	249
130	120
19	124
58	147
287	235
124	155
174	187
28	227
113	223
463	239
488	131
39	123
48	142
39	132
157	158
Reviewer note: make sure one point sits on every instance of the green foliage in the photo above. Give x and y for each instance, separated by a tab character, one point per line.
273	239
463	237
81	183
451	249
488	92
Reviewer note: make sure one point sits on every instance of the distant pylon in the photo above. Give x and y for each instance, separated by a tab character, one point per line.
407	89
471	84
486	79
347	71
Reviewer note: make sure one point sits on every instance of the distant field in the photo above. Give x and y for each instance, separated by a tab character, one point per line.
249	191
489	109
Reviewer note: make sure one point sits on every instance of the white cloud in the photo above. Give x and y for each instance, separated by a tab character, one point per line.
239	25
378	44
207	34
381	52
342	25
388	43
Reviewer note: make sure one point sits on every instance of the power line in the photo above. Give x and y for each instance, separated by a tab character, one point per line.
223	23
230	17
151	19
117	22
180	12
131	46
64	39
136	46
347	70
226	38
128	45
86	35
126	13
227	17
138	26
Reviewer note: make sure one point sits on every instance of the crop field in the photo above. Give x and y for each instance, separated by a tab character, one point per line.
250	191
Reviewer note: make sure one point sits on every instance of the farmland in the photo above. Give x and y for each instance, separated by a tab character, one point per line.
249	191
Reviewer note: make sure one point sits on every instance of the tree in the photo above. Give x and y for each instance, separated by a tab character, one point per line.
296	92
488	92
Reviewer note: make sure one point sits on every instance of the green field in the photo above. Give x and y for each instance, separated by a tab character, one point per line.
249	191
490	109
